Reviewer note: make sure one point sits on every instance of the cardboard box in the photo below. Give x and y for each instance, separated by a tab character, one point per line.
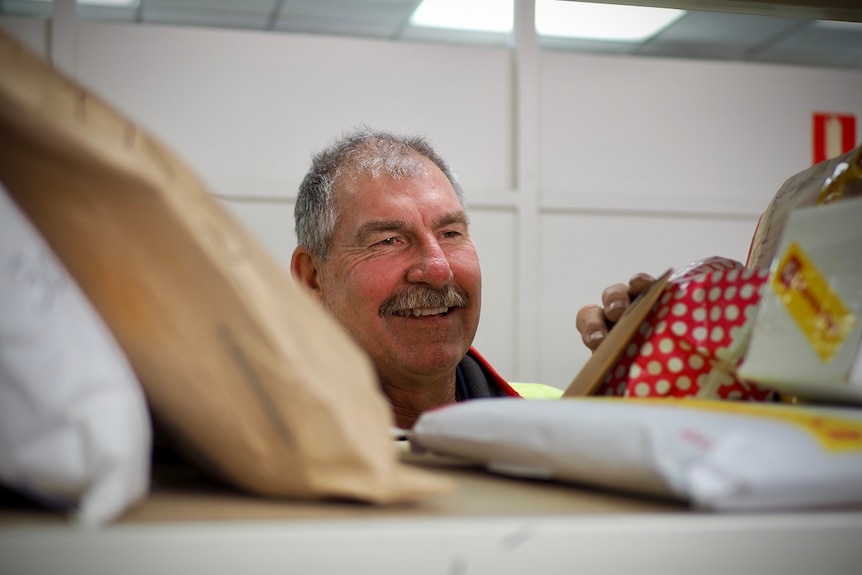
687	342
806	336
597	368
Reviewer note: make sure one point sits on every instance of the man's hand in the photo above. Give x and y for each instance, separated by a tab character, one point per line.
594	322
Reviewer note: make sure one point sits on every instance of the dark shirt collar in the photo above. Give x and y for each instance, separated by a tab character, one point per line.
471	381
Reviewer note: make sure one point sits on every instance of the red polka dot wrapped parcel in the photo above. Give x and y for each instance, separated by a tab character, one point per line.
694	337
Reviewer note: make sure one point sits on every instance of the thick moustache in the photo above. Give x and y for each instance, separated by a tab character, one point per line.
421	301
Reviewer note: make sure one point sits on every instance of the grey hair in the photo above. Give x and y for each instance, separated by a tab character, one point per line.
361	151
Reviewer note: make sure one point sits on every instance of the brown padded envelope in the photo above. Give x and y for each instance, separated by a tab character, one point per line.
249	377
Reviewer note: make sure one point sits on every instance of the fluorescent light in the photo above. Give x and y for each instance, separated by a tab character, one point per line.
601	21
558	18
478	15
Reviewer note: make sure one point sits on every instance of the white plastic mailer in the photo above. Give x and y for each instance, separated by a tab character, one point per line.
718	455
74	428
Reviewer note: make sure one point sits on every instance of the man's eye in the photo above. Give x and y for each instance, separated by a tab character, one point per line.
387	242
451	234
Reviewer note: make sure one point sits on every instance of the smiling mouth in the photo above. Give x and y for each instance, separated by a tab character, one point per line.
422	312
419	301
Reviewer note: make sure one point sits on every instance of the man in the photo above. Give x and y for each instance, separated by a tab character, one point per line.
384	245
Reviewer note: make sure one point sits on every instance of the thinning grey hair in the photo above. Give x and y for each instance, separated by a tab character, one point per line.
361	151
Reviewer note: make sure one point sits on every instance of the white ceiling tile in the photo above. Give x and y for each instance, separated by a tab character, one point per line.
380	18
719	28
360	9
232	5
26	8
208	17
219	13
820	40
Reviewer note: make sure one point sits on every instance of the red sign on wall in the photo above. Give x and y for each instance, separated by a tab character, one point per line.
833	133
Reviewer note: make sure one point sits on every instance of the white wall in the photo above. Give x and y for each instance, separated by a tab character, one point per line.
33	33
653	163
643	164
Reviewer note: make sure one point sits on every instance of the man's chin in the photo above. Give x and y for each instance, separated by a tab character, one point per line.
436	359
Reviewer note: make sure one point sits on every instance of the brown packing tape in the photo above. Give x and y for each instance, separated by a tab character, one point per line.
240	365
605	357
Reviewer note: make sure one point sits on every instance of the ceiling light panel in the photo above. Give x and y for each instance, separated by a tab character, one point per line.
586	20
602	21
476	15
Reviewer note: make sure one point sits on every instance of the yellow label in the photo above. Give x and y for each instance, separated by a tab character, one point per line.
833	433
811	301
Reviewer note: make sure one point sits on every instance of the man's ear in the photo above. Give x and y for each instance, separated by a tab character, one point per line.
304	269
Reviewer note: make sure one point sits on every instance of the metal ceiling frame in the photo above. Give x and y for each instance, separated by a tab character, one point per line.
841	10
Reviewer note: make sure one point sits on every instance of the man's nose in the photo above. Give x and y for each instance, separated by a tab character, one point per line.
431	266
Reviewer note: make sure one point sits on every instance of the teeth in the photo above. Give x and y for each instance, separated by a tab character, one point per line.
416	312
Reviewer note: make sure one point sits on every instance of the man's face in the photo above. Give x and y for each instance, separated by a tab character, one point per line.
397	236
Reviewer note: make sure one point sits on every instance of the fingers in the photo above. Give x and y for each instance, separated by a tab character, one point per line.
594	322
615	300
639	283
591	325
